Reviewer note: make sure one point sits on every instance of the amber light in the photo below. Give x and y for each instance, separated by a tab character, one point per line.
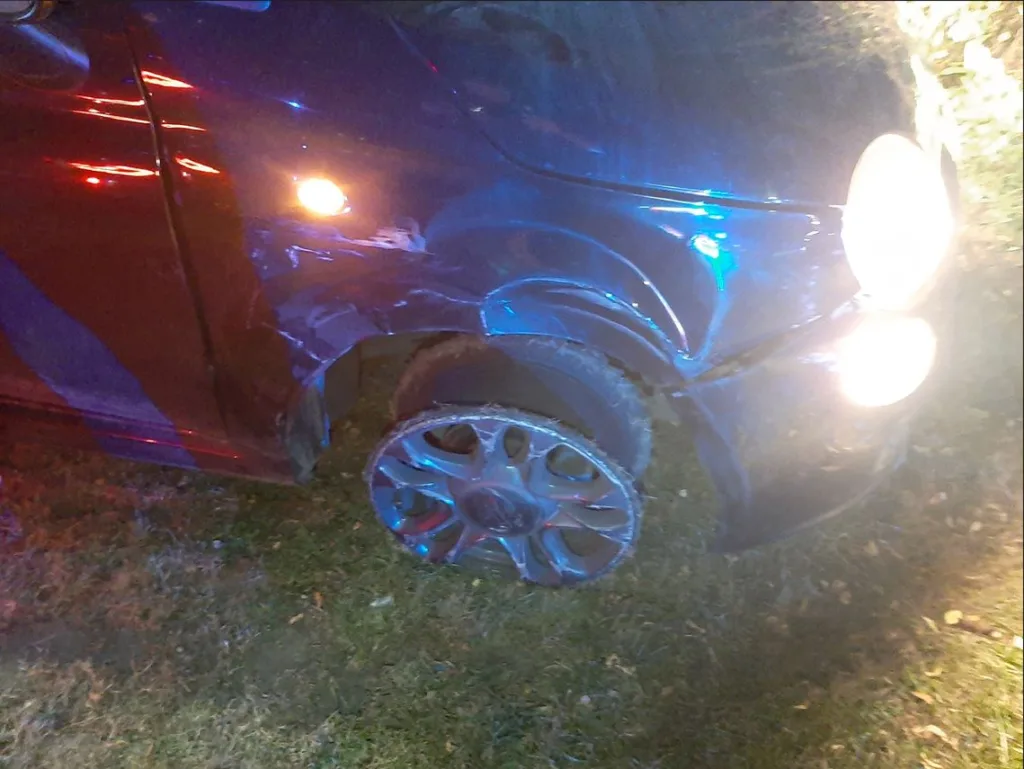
322	197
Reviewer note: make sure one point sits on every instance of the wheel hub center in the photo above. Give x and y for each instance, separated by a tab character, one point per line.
499	511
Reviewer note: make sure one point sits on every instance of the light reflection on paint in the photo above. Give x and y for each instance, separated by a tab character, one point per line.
706	245
162	81
195	165
92	180
718	259
104	100
182	127
114	170
93	112
695	210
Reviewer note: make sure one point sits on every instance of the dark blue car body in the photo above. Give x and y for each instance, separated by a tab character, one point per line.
659	182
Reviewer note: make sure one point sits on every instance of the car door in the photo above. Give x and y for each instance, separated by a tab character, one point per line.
97	319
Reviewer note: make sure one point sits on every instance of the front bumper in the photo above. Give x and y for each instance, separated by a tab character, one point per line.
783	443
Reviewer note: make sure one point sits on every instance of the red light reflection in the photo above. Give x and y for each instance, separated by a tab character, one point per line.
162	81
96	113
114	170
123	102
182	126
93	112
92	180
195	165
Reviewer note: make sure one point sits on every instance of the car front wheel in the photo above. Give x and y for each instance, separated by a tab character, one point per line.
521	453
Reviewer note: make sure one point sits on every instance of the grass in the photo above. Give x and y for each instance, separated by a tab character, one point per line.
156	619
152	618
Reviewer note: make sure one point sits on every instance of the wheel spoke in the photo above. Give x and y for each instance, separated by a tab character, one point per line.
545	483
433	458
541	444
609	522
467	539
564	560
424	539
492	460
427	483
526	563
427	526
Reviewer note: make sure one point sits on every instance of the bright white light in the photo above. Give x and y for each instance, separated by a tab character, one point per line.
322	197
898	223
885	359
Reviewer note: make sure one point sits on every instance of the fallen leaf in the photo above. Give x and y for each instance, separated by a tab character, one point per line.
976	625
1018	642
926	698
845	598
296	618
953	617
931	624
449	746
931	731
694	626
318	599
802	706
975	527
378	603
934	673
871	549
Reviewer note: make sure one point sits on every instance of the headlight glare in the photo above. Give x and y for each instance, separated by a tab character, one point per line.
898	222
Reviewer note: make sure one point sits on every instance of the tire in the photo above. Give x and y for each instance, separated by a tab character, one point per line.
548	377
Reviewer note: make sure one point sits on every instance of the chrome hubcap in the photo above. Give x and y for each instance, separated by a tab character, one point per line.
504	486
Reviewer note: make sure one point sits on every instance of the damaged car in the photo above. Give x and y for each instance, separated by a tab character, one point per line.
210	213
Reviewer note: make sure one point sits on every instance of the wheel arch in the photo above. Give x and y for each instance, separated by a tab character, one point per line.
551	308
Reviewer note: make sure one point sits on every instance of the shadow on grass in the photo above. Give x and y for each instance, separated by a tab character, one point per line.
158	620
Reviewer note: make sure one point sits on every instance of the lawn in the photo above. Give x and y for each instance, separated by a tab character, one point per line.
156	618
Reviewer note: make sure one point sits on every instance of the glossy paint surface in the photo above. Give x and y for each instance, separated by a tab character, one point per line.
94	303
760	101
249	299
